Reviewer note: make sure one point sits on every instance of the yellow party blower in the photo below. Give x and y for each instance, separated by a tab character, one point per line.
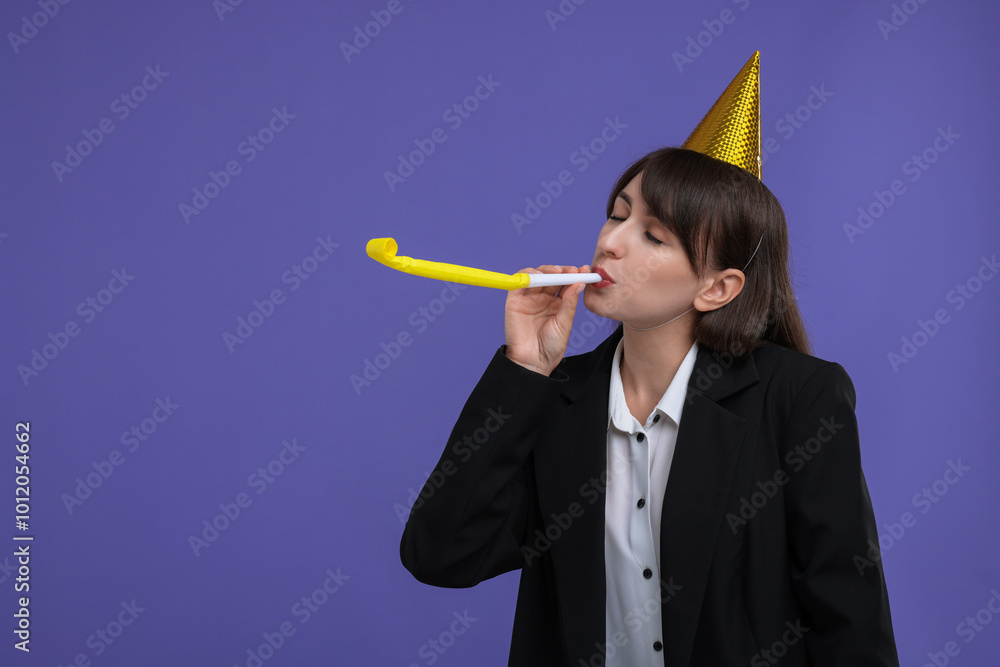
384	251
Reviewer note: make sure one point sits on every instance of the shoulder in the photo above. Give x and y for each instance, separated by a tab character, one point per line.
799	376
792	364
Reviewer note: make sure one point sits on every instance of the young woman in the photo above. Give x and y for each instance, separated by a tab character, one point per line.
688	493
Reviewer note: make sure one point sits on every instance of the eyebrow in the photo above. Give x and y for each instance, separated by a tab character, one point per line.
628	200
624	195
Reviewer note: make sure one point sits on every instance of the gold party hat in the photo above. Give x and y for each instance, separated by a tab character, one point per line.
730	131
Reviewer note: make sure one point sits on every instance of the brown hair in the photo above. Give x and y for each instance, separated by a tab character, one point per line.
719	212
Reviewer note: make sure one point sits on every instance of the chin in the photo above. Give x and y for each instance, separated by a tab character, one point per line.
602	307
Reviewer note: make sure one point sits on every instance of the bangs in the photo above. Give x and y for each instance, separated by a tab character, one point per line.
682	190
666	196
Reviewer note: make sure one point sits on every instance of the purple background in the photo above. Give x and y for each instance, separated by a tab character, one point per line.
337	505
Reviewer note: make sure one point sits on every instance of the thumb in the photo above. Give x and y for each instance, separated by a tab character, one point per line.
570	300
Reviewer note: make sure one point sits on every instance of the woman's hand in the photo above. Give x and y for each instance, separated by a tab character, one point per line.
538	320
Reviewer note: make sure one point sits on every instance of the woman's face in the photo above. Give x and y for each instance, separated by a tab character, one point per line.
653	280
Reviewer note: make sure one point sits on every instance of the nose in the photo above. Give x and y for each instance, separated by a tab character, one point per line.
611	241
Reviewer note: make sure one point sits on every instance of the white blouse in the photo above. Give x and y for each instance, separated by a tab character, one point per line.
639	457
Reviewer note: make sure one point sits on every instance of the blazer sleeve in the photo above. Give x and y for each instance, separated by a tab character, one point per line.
470	518
834	555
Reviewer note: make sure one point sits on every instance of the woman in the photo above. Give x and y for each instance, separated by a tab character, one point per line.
688	493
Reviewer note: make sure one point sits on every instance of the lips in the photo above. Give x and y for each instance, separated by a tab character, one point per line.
604	274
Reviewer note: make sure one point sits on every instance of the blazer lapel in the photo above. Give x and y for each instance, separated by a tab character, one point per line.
709	440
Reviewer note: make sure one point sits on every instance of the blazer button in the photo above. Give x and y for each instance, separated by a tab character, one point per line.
640	437
647	573
641	503
657	646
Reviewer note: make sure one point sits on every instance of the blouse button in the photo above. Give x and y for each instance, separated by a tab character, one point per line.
641	503
640	437
647	573
657	646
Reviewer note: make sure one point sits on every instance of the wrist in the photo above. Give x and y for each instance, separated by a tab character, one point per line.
528	366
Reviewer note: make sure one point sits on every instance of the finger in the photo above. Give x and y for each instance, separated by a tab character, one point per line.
569	298
573	290
550	290
582	286
554	290
559	290
577	287
528	291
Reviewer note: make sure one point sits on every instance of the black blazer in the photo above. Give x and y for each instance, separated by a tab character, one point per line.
768	543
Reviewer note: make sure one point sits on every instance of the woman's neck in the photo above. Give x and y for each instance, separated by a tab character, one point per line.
650	360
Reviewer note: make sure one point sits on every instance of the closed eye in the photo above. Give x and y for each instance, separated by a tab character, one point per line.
648	235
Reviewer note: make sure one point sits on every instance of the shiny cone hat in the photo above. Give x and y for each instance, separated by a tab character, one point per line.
730	131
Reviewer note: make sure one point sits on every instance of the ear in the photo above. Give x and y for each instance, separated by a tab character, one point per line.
720	288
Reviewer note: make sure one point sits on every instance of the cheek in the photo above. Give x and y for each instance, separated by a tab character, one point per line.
650	269
658	278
